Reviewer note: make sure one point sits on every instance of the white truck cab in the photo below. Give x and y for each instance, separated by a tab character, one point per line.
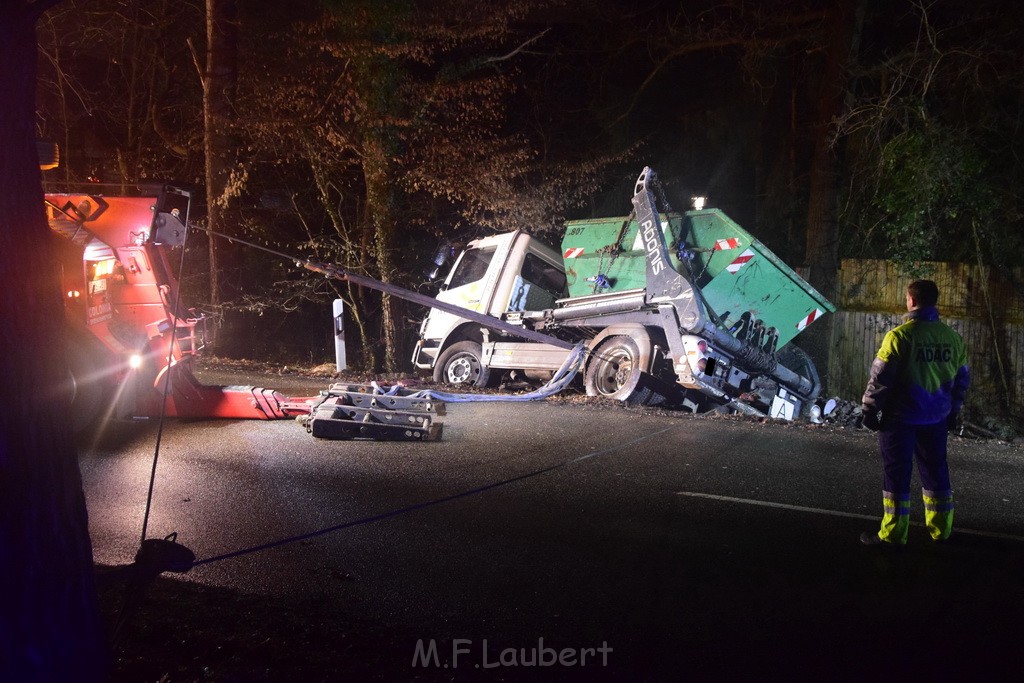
496	276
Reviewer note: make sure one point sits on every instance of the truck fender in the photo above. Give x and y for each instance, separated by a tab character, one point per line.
467	331
638	333
427	355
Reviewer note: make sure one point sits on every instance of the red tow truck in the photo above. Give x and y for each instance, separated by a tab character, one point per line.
128	332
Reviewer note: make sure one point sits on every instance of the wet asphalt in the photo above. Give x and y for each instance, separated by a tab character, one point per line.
651	546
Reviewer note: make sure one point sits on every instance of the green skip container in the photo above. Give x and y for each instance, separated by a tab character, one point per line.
735	273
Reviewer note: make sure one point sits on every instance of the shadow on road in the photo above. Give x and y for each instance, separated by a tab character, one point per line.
758	605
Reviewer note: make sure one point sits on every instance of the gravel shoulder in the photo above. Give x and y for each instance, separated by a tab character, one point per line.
306	381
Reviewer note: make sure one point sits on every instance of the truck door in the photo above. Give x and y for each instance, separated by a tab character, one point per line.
466	284
469	285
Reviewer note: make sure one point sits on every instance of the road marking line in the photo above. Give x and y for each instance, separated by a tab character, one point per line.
835	513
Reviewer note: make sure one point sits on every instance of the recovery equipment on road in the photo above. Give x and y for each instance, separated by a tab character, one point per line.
370	411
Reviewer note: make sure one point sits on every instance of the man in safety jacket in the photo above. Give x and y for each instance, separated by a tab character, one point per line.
915	391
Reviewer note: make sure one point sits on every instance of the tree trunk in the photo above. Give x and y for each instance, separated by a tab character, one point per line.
822	245
823	191
219	86
50	630
381	208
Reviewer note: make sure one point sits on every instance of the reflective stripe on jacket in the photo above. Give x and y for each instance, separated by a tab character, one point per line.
920	375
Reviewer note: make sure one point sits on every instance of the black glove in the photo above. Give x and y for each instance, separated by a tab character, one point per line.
871	420
951	422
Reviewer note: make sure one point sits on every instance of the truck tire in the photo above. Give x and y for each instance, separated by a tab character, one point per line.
461	364
615	373
797	360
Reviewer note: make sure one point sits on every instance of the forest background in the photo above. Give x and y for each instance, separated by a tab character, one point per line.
363	133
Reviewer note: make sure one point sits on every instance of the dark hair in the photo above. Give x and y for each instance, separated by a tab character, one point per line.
923	292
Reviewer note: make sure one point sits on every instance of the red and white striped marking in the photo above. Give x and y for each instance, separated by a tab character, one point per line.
740	261
573	252
723	245
815	314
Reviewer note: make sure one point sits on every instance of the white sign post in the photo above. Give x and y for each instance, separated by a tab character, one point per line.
339	335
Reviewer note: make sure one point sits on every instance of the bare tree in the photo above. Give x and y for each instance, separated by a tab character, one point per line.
115	91
220	81
50	630
822	243
821	255
398	113
937	174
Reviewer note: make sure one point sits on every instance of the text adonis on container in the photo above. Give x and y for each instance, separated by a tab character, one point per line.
464	653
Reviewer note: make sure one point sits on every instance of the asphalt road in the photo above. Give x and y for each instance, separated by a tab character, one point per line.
693	548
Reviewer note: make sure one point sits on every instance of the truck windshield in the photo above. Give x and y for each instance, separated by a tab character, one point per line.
472	266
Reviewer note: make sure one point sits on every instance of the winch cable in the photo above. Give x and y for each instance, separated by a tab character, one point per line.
161	419
337	273
483	319
580	352
155	556
167	383
431	503
574	362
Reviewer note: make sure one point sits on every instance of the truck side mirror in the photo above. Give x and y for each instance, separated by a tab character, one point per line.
441	256
170	225
170	230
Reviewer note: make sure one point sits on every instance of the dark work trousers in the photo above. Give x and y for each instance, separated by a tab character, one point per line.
900	444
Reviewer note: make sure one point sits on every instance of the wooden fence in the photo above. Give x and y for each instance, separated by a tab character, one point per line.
983	305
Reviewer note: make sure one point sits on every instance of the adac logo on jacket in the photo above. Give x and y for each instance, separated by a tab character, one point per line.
934	353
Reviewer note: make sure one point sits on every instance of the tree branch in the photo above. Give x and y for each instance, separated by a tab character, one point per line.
672	55
516	51
195	61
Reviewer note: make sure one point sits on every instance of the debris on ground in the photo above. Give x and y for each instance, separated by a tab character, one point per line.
834	412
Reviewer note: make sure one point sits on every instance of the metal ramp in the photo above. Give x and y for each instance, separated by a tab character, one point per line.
361	411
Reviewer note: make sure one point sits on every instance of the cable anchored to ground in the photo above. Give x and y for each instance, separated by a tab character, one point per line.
430	503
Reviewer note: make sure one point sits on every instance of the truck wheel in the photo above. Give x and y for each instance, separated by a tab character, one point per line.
461	365
615	373
797	360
